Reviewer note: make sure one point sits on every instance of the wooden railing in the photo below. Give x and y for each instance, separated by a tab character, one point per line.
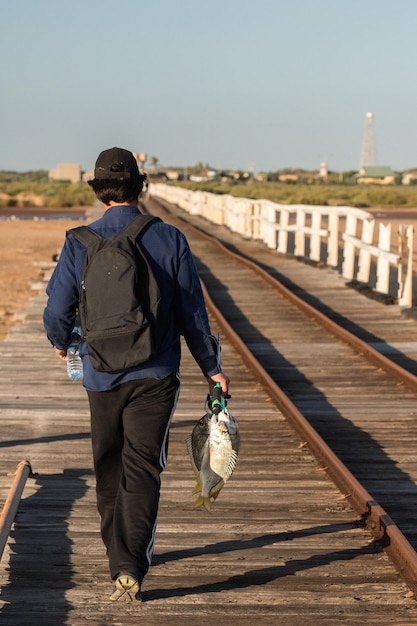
344	238
23	470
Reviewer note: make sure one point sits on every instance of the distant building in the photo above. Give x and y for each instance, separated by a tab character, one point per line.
88	175
288	178
140	158
409	178
172	175
66	171
379	175
204	176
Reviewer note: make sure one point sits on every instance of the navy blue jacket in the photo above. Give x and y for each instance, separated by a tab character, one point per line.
182	301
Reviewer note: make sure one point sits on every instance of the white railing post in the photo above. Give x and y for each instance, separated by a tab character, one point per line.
365	254
269	225
248	221
284	217
333	239
300	238
383	265
315	240
348	267
228	211
405	267
256	220
195	204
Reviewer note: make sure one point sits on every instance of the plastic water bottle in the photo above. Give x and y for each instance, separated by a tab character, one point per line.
74	362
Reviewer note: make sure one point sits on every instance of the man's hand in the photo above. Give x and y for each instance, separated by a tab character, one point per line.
219	378
61	354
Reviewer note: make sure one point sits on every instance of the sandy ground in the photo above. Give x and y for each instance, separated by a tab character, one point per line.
25	241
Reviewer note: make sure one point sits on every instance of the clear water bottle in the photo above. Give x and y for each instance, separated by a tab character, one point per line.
74	362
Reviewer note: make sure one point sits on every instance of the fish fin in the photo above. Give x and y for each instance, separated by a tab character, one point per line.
197	487
232	464
214	491
203	501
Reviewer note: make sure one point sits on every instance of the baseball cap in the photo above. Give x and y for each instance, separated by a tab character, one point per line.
116	163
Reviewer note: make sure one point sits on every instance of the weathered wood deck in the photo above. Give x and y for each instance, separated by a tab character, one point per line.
280	545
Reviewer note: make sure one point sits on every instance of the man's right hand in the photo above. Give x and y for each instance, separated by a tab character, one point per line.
219	378
61	354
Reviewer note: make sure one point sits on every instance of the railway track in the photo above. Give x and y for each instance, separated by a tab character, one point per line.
351	405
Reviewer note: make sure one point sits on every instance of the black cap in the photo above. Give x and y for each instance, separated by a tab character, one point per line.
116	163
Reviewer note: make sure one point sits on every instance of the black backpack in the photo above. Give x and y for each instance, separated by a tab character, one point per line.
119	298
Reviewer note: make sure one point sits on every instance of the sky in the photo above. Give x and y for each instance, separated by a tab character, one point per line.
255	85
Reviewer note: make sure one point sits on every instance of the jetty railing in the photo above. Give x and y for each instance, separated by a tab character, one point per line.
345	238
23	471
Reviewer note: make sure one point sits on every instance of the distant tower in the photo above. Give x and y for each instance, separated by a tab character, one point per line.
323	172
367	156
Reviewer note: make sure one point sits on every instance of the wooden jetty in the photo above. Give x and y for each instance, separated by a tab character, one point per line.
281	546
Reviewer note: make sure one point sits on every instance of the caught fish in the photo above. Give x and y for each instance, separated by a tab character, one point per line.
213	448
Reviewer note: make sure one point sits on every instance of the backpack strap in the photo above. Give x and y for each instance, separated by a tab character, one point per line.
85	235
88	237
138	224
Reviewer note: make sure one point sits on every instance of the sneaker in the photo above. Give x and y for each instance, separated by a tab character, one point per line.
127	589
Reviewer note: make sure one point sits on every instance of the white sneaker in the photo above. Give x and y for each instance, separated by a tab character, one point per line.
127	589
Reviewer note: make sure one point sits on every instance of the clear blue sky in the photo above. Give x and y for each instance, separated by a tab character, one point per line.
260	84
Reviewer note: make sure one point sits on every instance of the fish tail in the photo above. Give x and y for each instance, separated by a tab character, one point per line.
203	501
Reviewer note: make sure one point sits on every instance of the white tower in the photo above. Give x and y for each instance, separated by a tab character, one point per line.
367	156
323	172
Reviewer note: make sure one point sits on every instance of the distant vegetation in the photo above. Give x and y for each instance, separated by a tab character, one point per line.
319	193
35	189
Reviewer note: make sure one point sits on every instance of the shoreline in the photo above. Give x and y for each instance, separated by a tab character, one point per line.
17	213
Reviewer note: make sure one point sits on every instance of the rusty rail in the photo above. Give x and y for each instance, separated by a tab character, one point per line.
23	470
380	524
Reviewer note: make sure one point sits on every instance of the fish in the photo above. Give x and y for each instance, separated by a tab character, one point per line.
213	447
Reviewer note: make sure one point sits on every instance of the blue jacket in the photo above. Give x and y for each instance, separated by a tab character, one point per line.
182	301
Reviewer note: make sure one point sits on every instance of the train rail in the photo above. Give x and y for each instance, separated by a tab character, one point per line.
362	433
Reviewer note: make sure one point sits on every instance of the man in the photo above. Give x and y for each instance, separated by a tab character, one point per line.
131	409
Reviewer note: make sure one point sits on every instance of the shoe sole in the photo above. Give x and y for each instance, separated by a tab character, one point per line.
127	590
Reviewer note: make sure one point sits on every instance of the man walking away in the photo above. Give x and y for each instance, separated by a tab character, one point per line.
131	408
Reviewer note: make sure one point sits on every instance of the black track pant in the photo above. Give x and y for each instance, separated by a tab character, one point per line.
129	432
